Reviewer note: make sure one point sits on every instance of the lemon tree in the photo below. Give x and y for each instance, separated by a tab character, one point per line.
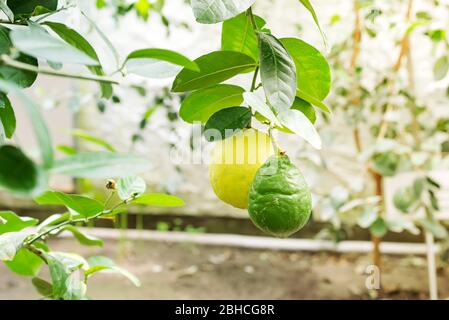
290	80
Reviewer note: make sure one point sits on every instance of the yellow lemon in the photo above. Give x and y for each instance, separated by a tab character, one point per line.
234	163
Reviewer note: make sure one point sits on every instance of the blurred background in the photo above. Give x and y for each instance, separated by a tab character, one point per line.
381	179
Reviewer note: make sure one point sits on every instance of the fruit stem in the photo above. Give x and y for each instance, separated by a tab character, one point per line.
276	148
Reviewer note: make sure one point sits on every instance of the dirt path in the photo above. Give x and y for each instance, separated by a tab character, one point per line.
187	271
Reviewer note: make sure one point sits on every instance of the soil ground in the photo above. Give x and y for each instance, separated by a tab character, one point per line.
187	271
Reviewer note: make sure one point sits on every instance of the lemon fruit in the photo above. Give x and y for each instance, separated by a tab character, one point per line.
234	163
279	199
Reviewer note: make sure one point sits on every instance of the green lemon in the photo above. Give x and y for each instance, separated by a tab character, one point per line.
234	163
279	199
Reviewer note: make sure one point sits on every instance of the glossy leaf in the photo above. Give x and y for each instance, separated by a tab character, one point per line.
10	243
20	77
157	63
226	121
106	265
13	223
298	123
18	173
6	10
130	186
76	40
278	73
84	206
313	74
159	200
26	8
39	44
215	67
202	104
83	238
40	128
311	99
7	116
258	105
238	35
306	108
214	11
101	165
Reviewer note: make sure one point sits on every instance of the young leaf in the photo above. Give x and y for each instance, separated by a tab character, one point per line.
308	6
106	265
278	72
83	238
238	35
20	77
379	228
234	119
159	200
130	186
38	43
40	128
202	104
7	117
95	140
18	173
313	74
157	63
84	206
76	40
100	165
214	11
13	223
441	68
260	106
297	122
215	67
10	243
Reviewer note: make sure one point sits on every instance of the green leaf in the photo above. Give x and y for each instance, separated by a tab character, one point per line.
83	238
20	77
379	228
367	218
202	104
226	120
213	11
308	6
238	35
298	123
40	128
18	173
434	227
106	265
306	108
25	263
84	206
278	72
6	10
441	68
38	43
215	67
130	186
27	8
313	74
258	105
7	117
314	101
53	220
67	283
10	243
13	223
101	165
44	288
157	63
159	200
76	40
95	140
